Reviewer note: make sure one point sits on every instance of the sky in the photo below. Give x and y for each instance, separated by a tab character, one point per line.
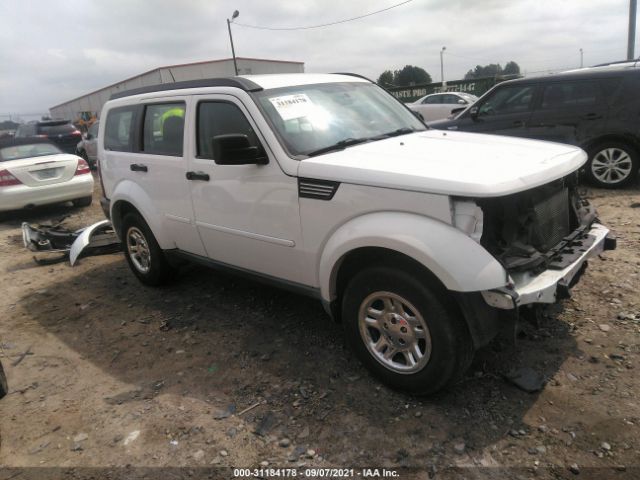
53	51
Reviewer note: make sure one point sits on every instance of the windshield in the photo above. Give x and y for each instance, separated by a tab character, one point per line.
18	152
310	119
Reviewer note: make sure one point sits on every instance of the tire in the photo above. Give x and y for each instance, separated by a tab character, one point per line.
434	326
612	165
144	256
83	202
4	389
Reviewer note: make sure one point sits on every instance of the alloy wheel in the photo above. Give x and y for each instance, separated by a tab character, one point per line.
394	332
138	249
611	165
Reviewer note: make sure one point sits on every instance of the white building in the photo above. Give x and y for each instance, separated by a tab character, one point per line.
89	105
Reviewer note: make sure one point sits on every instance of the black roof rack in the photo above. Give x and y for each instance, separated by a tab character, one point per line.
357	75
236	82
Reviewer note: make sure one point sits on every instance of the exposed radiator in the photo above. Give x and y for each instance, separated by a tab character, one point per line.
551	220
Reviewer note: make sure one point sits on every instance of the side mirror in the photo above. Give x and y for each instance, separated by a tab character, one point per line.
456	111
473	112
461	102
235	149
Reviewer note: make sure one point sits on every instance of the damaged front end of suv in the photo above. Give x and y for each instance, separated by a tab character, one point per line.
543	238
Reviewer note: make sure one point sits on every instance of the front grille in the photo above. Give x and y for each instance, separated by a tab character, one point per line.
551	220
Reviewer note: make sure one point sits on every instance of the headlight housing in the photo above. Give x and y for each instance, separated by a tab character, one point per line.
467	216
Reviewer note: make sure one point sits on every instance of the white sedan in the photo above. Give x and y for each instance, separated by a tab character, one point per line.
35	172
438	106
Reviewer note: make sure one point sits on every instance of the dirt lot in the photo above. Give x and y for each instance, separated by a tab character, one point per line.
118	374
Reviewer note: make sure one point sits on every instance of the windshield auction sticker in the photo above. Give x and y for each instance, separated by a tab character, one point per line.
292	106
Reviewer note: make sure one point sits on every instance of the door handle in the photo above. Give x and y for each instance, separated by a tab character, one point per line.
137	167
198	176
518	123
592	116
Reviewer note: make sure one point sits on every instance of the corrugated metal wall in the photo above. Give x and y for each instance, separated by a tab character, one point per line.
94	101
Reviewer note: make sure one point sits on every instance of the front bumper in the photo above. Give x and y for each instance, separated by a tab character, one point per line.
551	285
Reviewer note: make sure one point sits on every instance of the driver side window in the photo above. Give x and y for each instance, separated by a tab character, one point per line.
509	99
221	118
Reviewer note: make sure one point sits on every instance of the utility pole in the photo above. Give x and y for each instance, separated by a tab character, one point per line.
444	85
233	51
581	58
633	4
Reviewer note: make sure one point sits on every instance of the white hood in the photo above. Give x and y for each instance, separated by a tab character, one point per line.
452	163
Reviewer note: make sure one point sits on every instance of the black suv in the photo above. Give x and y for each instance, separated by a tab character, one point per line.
61	132
597	109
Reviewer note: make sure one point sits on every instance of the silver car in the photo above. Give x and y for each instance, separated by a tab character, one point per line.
88	146
438	106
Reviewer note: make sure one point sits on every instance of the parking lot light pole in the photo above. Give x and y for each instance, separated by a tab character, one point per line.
233	51
633	4
581	58
442	68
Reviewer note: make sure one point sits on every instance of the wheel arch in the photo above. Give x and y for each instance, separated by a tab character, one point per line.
130	197
628	139
444	253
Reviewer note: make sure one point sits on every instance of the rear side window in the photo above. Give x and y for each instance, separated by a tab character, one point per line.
450	99
570	94
221	118
163	131
117	133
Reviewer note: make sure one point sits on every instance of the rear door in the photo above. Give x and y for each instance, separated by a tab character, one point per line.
569	112
144	144
506	110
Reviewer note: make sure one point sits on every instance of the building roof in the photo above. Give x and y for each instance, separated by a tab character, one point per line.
204	62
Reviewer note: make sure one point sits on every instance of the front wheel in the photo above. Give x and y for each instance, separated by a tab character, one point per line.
612	165
144	256
404	330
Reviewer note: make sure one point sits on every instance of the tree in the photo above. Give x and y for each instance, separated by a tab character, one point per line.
493	69
511	68
385	79
410	75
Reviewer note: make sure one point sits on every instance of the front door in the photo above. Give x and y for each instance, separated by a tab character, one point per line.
247	215
505	111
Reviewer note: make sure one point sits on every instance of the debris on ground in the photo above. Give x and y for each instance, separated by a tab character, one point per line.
526	378
97	239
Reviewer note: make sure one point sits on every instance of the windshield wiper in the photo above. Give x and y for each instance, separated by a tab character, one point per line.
394	133
341	145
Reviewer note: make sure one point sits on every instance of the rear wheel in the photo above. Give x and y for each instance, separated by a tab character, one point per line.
404	330
83	202
144	256
612	165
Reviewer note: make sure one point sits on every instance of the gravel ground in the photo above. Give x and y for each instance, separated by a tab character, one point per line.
218	371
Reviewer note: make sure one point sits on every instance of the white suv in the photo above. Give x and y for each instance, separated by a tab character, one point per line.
423	243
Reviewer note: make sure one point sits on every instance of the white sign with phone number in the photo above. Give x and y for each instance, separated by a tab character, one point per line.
292	106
